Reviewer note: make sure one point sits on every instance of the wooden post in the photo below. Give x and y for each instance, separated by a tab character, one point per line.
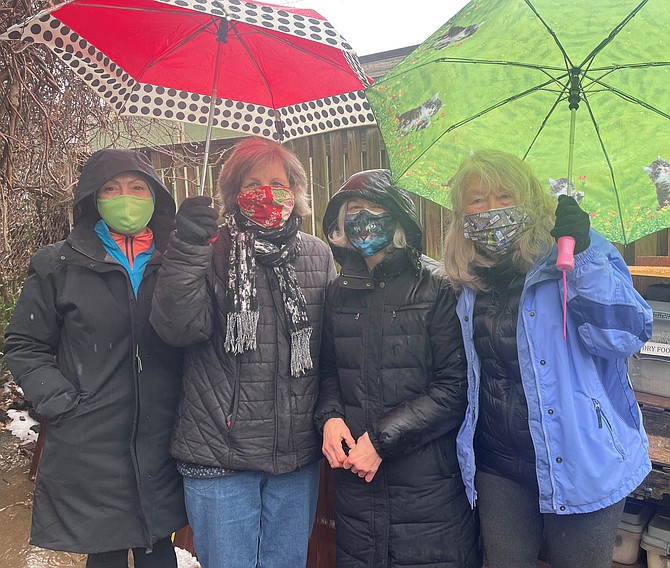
321	551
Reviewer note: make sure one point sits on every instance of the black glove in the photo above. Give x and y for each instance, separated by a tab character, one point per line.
196	220
572	221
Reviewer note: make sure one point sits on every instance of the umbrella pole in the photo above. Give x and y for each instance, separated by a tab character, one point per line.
566	245
571	146
221	39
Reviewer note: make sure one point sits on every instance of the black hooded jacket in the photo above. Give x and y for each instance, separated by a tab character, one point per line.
393	365
80	346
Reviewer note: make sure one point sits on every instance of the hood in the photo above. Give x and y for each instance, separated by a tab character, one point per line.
376	186
102	166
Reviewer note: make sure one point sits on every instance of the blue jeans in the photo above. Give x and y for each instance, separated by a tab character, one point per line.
252	519
512	528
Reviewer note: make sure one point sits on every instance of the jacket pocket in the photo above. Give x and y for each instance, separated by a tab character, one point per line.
408	314
73	412
604	422
444	451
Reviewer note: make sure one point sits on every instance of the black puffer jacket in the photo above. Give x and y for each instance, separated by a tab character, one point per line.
393	365
242	412
78	334
502	440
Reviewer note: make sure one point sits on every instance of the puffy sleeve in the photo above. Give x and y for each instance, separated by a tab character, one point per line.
32	337
612	318
441	406
182	307
329	404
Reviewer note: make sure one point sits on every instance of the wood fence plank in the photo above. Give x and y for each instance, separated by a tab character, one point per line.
301	147
354	160
372	149
321	181
337	174
432	229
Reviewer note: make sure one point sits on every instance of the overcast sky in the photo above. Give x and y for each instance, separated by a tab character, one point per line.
371	26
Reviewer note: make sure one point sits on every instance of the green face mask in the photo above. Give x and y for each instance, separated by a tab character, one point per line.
126	214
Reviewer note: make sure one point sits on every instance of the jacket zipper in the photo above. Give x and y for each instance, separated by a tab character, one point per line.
602	418
130	250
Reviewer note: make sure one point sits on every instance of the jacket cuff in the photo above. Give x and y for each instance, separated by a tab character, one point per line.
321	420
376	444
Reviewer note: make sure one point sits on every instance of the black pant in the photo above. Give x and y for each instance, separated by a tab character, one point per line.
512	528
161	556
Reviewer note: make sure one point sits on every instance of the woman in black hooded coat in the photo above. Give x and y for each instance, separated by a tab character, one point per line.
80	346
393	388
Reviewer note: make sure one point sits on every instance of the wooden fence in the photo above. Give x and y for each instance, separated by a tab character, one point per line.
329	159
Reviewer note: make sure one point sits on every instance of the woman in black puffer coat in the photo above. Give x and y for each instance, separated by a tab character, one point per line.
393	388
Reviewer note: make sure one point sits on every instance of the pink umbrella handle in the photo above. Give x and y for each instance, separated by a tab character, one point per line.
566	253
565	261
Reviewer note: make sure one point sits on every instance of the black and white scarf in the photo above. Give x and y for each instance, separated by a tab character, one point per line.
276	248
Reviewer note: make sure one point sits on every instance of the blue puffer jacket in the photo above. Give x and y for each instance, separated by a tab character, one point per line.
585	423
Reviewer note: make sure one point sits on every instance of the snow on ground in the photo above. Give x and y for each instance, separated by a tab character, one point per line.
20	425
185	560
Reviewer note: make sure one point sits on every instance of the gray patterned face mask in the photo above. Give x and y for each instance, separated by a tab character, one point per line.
495	230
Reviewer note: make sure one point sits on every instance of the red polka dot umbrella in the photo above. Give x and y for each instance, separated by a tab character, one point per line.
255	68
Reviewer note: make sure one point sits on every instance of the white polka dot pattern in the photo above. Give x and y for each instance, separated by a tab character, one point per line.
130	97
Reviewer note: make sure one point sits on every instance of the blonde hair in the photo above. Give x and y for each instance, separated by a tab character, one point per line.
338	237
251	153
494	169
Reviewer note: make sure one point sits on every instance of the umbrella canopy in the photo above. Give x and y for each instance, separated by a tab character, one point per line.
514	75
268	70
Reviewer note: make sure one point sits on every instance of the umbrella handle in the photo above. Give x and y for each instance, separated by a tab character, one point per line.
565	261
566	253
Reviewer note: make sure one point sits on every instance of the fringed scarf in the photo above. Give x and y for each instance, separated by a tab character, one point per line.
276	248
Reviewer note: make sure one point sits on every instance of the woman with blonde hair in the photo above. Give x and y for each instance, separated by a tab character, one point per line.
246	300
552	440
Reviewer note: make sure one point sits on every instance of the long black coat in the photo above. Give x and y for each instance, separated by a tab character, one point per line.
393	364
81	347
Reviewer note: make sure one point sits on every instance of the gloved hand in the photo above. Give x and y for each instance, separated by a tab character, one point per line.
572	221
196	220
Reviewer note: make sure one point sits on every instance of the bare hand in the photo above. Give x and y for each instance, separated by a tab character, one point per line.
335	431
363	460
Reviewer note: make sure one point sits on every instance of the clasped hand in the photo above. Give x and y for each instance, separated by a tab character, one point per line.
363	459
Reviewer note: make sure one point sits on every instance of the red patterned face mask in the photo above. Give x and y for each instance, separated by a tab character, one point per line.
266	206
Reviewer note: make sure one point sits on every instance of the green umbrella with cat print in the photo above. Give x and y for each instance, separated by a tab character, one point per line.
580	90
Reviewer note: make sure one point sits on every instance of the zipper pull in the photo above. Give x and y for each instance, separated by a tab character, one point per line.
137	359
357	316
599	413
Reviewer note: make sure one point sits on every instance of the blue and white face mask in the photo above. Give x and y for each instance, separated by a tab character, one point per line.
369	232
495	230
